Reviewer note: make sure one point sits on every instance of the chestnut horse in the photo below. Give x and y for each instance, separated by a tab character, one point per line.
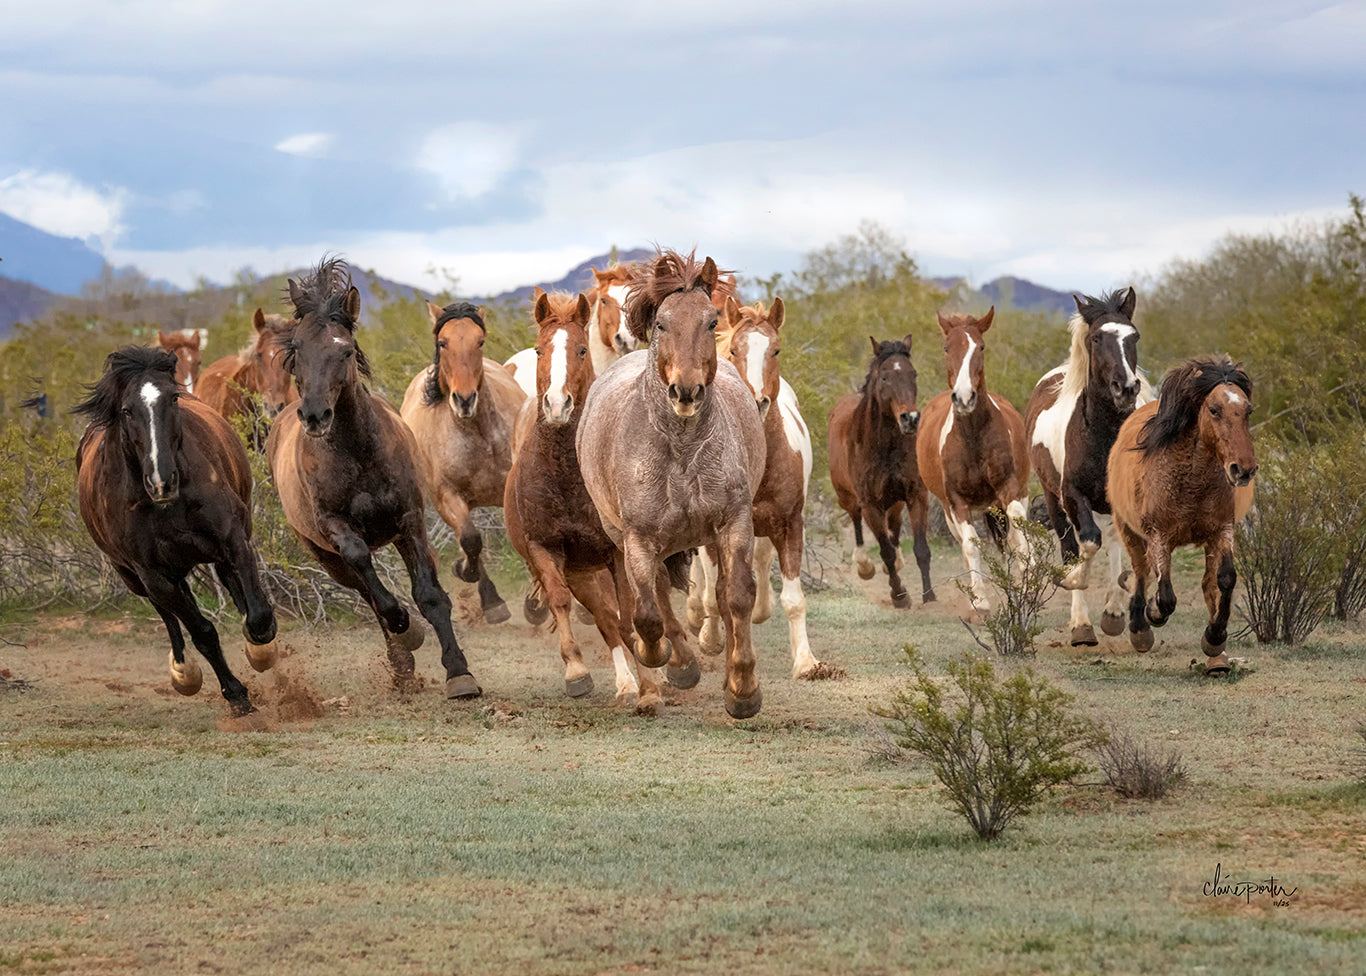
231	385
672	452
345	465
972	449
185	345
873	465
462	409
550	518
1072	419
749	338
1181	474
164	486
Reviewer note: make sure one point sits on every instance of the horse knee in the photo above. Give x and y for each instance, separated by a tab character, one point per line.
793	598
1228	575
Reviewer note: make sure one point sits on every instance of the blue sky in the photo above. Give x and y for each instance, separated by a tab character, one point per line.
1075	144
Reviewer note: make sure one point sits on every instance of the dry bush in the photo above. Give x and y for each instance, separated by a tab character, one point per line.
1139	770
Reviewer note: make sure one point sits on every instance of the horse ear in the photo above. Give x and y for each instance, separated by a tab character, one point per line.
194	334
984	322
907	340
542	307
731	312
352	304
582	313
945	326
1130	302
1077	299
295	293
161	339
537	292
776	314
435	312
876	347
711	275
258	321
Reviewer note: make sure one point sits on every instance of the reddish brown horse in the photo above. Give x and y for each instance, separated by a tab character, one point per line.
672	451
185	346
345	465
462	409
873	465
234	384
164	486
972	449
1181	474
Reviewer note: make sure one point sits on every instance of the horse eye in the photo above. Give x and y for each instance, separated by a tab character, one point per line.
775	353
481	343
538	354
583	351
441	344
711	326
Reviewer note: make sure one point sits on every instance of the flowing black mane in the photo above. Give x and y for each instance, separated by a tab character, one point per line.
123	367
1184	390
1114	304
431	389
885	351
321	297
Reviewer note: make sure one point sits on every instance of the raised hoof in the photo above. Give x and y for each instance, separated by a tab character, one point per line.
866	570
1112	623
744	707
535	611
399	649
1126	581
1218	664
240	709
650	705
463	571
929	597
579	685
712	638
627	699
760	616
1141	640
1155	616
685	677
186	678
262	657
1084	636
463	686
498	613
902	600
410	639
656	659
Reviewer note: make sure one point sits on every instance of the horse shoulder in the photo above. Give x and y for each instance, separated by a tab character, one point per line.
795	431
413	396
521	429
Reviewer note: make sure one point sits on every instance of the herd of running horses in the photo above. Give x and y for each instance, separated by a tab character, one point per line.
614	465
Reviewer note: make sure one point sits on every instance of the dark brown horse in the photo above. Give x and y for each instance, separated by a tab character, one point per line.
1181	474
672	451
873	465
234	384
185	345
345	465
164	486
1072	419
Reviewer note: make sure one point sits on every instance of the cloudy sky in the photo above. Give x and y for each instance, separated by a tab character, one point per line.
1072	143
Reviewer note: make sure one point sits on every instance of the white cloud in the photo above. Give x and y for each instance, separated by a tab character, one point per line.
469	158
59	204
311	144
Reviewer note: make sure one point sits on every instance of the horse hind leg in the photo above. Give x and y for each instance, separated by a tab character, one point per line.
763	564
1140	632
696	610
710	639
683	670
1112	617
177	600
471	569
549	569
804	663
919	511
735	580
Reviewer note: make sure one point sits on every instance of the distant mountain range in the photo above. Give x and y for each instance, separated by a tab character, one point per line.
1008	291
58	264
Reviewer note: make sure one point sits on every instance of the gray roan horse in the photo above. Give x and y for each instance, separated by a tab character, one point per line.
672	451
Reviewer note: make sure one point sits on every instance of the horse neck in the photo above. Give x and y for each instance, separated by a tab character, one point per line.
971	427
354	418
1100	417
884	436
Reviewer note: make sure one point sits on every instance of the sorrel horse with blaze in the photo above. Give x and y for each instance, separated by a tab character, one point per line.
749	337
345	465
233	384
164	485
1181	473
185	345
1072	419
550	517
672	451
972	450
462	409
874	469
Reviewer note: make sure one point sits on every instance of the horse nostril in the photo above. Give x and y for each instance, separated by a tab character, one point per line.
673	391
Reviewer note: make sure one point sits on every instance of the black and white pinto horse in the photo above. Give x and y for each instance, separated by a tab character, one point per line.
1073	417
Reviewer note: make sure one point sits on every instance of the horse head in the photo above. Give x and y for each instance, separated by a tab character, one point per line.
267	359
185	346
963	349
606	298
1226	431
749	339
321	351
1210	397
563	369
458	362
1112	346
891	383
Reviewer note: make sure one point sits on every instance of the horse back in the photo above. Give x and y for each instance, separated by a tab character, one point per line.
216	385
1124	475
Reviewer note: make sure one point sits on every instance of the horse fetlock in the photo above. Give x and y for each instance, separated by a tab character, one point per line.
466	570
186	677
1153	610
712	638
901	599
1213	643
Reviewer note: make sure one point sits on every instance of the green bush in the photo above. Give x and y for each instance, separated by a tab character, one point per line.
1024	587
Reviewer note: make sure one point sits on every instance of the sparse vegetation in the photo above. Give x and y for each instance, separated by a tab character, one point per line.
1138	769
1024	585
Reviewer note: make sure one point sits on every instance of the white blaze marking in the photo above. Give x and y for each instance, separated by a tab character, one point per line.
1121	332
1234	397
150	395
756	349
339	340
559	366
962	386
944	434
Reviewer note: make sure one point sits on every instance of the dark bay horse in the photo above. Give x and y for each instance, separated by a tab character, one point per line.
231	384
1181	473
1072	419
873	465
972	449
672	451
461	409
345	465
185	345
165	485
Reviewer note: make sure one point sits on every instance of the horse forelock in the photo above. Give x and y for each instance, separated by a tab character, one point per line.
322	293
459	310
122	368
885	351
650	286
1184	390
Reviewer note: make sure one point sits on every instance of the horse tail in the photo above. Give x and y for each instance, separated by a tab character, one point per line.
998	525
679	565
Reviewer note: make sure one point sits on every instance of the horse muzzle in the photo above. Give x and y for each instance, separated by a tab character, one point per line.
963	407
622	344
465	407
162	492
1125	397
316	424
686	400
557	410
1239	476
764	403
909	421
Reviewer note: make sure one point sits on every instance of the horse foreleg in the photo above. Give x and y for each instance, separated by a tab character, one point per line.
548	568
894	531
1087	534
763	566
1112	617
1140	633
642	564
1220	578
176	599
710	637
433	603
1163	600
683	671
877	522
789	546
862	564
959	518
736	579
918	509
596	590
1017	512
455	511
240	573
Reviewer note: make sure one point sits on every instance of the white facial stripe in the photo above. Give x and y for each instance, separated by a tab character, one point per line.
1234	396
559	365
1121	332
339	340
150	395
756	352
619	293
962	386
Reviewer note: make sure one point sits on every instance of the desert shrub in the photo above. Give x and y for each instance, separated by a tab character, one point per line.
995	745
1139	770
1024	587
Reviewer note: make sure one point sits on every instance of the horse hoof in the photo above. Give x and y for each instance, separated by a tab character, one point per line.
737	707
650	705
1084	636
497	614
685	677
410	639
535	611
186	678
655	657
1112	623
578	686
1217	664
463	686
627	699
1141	640
929	597
241	708
464	572
712	639
866	570
760	616
1126	581
1155	616
902	600
262	657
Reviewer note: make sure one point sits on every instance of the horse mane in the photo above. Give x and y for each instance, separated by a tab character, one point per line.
1078	365
1184	390
122	367
431	387
885	351
749	315
650	286
322	294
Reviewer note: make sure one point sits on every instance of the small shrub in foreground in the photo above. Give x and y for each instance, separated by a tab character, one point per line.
1139	771
1025	586
995	745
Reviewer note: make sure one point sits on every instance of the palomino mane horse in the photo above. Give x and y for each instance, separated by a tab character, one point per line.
345	465
672	451
873	465
972	449
1181	473
462	409
165	486
550	517
1072	419
231	384
185	345
749	337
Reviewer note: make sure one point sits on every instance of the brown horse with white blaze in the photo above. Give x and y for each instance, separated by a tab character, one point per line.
972	449
462	409
233	384
187	347
1181	473
672	451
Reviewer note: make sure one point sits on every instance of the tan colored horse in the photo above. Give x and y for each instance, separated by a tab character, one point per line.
231	384
462	409
185	345
1181	473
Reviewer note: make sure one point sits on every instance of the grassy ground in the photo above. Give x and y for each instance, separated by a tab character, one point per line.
359	830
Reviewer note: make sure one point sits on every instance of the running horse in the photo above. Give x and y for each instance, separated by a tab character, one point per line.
1071	421
749	338
233	384
874	469
185	345
550	517
345	465
462	409
164	485
972	450
672	452
1181	473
